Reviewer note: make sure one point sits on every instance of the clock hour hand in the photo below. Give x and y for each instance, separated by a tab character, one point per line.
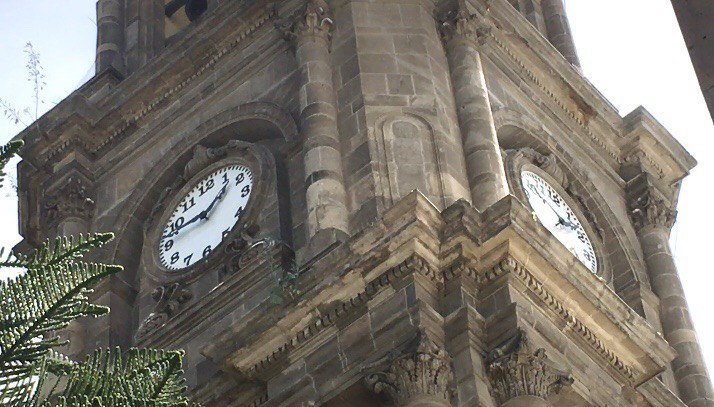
201	215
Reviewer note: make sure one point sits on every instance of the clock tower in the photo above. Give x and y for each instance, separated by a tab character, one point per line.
370	203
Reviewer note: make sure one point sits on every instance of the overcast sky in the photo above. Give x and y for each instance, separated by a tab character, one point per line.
632	50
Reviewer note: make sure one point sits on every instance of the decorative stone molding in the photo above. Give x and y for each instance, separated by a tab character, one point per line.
71	199
650	211
548	163
516	371
413	264
424	372
510	265
314	21
169	299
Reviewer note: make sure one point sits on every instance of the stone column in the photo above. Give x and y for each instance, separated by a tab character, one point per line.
558	28
110	34
419	379
326	197
484	164
69	207
653	219
521	378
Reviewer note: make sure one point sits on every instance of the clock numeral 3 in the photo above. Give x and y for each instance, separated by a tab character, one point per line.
245	191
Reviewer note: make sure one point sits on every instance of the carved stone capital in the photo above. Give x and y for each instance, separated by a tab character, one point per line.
72	198
425	372
314	22
647	207
169	299
459	26
515	371
650	211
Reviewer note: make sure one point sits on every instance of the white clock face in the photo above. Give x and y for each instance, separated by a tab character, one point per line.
205	216
555	214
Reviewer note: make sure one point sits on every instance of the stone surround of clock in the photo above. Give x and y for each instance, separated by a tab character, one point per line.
387	254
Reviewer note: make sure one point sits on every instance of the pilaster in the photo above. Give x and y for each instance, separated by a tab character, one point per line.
484	164
324	182
558	28
653	218
110	35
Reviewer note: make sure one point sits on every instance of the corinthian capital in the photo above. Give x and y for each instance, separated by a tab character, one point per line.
314	21
649	211
459	26
646	206
516	371
425	372
72	198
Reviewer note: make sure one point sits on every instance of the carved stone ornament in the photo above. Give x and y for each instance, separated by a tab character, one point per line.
314	21
649	211
516	371
425	372
547	163
169	299
71	199
460	25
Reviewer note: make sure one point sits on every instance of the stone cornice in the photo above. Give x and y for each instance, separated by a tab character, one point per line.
116	124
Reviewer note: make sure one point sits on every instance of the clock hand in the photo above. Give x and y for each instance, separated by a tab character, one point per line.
561	220
215	200
201	215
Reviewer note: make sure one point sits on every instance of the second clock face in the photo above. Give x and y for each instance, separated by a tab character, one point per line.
555	214
205	216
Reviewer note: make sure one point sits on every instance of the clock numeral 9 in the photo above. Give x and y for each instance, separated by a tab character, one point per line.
206	251
168	245
245	191
174	257
240	178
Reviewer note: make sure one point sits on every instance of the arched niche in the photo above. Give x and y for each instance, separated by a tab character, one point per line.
622	267
261	124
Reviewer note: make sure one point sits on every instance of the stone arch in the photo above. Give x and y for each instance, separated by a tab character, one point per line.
517	131
269	125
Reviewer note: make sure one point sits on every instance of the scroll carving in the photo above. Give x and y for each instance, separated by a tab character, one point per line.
314	21
169	299
427	371
547	163
459	25
71	199
514	370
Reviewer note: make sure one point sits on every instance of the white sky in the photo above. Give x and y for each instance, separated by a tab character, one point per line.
632	50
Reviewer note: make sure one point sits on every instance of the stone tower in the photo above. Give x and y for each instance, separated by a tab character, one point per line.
364	203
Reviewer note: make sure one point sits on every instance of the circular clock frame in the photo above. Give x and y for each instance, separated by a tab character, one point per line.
204	163
519	162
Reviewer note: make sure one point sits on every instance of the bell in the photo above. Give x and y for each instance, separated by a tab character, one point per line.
194	8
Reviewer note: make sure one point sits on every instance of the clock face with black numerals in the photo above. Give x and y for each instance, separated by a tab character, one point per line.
205	216
555	214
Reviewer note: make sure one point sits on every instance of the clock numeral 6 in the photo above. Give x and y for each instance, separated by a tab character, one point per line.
174	257
207	251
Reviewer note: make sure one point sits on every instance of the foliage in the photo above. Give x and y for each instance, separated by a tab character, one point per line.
34	306
37	78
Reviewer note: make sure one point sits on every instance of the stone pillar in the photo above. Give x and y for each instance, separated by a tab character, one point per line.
418	379
484	164
521	378
69	206
653	219
110	34
558	28
326	197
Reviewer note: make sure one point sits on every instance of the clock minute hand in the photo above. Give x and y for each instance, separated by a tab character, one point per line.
561	220
218	197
